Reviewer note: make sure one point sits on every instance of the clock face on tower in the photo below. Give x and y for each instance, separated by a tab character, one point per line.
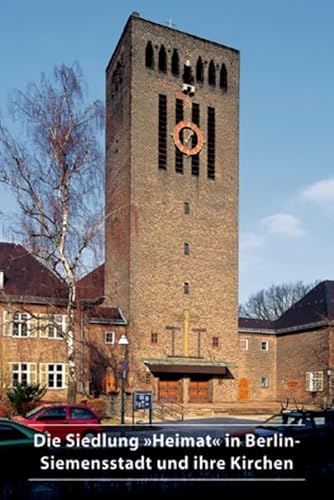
188	138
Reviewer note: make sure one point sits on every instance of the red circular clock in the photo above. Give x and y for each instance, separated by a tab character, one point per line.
183	135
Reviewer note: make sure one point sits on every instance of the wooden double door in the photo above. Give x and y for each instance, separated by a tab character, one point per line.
171	390
199	391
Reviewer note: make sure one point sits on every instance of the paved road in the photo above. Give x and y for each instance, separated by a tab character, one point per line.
216	426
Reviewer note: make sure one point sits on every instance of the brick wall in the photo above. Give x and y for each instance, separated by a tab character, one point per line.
256	364
145	264
297	354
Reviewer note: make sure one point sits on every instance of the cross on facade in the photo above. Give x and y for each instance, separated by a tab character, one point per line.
173	329
199	331
185	318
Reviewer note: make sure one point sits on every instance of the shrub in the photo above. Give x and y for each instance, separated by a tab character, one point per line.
24	396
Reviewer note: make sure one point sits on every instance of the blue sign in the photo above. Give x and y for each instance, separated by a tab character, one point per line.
142	400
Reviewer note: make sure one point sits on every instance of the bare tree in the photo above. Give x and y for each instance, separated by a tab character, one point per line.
54	167
273	302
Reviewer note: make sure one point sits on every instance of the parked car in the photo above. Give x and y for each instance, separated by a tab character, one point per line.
62	419
15	434
310	430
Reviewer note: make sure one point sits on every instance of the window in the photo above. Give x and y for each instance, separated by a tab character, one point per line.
186	249
23	373
56	329
109	337
162	59
79	413
223	78
212	73
211	143
243	344
162	133
186	288
149	56
175	63
53	375
264	345
264	382
315	381
8	433
186	208
187	74
20	325
178	118
58	413
147	377
195	158
199	70
154	338
215	341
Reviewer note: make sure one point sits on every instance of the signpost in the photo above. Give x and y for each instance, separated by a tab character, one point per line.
142	400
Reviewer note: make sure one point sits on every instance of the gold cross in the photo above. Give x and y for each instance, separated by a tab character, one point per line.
185	318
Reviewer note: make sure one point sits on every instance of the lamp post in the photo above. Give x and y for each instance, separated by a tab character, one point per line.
123	343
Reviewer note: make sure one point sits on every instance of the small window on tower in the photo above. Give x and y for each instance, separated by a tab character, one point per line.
223	78
162	59
212	73
149	56
186	249
215	341
175	63
186	208
199	70
154	338
186	288
188	74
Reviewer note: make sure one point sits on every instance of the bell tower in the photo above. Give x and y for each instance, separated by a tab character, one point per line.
172	209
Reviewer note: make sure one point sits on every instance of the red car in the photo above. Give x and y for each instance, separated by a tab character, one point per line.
62	419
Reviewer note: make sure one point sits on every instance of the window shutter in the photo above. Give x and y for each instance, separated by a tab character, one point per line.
7	323
43	325
43	374
32	325
33	373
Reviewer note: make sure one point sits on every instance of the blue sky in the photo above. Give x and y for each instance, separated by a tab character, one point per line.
286	108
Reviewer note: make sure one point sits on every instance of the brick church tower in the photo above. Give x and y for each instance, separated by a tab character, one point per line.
172	209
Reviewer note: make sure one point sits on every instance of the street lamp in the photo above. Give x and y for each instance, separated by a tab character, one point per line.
123	343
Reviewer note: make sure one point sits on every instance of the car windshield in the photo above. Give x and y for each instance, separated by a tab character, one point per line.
284	419
33	412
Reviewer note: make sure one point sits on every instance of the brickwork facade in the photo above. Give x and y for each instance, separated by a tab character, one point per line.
258	366
153	213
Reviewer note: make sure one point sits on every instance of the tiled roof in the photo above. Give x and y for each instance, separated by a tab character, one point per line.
317	306
102	315
25	276
91	286
255	323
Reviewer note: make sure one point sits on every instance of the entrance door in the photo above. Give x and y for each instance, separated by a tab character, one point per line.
243	392
199	391
168	390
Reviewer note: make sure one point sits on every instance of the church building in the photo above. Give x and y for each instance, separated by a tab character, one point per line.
171	238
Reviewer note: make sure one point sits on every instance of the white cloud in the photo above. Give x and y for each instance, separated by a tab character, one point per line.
250	240
321	192
285	224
